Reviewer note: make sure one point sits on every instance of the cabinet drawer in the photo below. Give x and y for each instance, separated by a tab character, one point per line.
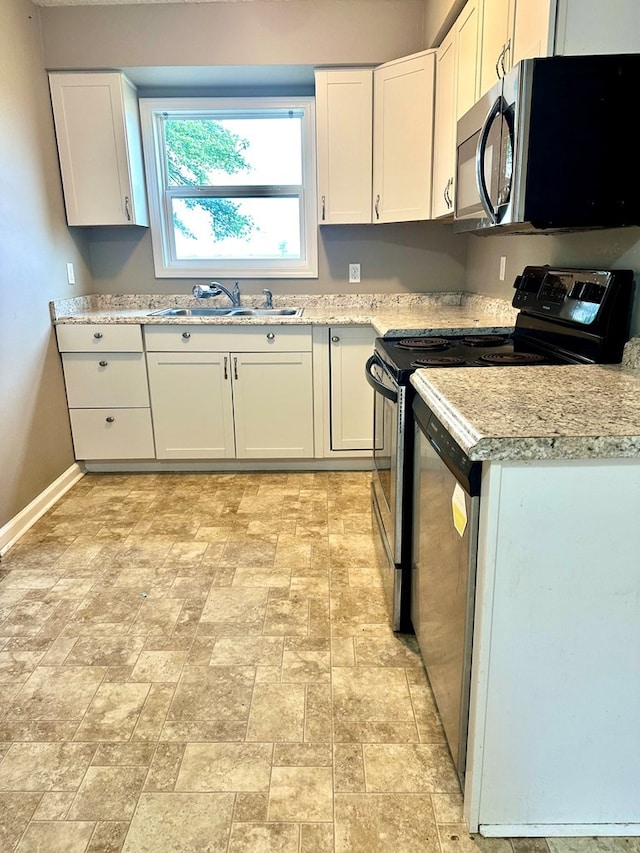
100	337
112	433
107	379
185	338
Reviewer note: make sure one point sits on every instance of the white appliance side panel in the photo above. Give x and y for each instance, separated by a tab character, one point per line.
555	735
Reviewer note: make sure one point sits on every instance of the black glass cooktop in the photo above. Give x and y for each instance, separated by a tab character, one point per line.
404	355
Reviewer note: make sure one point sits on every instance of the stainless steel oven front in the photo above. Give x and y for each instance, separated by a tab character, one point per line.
391	458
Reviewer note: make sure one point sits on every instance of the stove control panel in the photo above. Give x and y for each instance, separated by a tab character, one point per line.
565	294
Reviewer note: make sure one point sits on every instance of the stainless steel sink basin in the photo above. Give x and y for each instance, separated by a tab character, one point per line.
266	312
227	312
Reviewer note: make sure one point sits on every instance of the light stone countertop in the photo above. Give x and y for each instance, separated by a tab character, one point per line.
536	412
389	314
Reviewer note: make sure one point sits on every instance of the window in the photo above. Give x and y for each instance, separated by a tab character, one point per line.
231	186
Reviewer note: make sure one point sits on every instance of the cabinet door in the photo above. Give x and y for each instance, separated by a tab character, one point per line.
496	25
403	109
344	118
444	138
99	146
191	405
533	29
351	394
273	405
467	32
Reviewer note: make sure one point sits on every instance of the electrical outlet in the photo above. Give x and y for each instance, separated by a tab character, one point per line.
503	267
354	273
71	274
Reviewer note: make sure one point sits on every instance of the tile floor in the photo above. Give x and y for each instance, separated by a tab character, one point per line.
203	663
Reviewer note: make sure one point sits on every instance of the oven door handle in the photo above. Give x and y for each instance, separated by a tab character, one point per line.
377	386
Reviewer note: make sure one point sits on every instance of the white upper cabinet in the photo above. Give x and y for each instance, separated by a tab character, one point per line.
457	88
98	133
344	118
403	113
513	30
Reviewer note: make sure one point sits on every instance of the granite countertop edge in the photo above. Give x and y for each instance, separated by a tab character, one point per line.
390	314
519	442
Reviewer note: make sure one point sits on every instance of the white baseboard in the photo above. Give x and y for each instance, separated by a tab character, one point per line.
19	524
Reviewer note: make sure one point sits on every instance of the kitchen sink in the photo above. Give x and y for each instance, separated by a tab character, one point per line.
227	312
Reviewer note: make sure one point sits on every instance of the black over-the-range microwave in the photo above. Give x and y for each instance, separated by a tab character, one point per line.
552	147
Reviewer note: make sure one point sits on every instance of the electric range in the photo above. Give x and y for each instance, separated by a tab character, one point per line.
565	316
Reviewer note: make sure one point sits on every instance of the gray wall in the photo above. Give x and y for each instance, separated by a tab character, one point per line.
35	244
611	249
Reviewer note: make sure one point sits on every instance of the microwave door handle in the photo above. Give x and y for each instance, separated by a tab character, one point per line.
377	386
481	181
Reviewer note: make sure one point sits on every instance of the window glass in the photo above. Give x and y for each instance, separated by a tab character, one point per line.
231	186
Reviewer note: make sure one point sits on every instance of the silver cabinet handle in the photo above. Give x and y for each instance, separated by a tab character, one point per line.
335	339
506	50
103	363
226	375
235	368
186	335
110	419
126	208
378	206
271	336
97	335
323	208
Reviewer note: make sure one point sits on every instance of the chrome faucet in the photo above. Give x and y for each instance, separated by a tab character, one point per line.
204	291
268	298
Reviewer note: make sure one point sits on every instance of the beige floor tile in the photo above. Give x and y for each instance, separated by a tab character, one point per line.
316	838
110	651
277	713
414	768
181	823
302	755
45	766
225	767
400	650
125	754
246	550
272	837
16	667
358	731
56	837
455	838
108	837
258	651
306	665
154	712
54	805
159	666
16	810
372	694
56	693
301	794
213	693
165	767
448	808
237	604
287	617
113	713
378	823
108	793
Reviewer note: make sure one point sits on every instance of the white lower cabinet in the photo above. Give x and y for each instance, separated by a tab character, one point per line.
351	397
211	402
192	405
107	393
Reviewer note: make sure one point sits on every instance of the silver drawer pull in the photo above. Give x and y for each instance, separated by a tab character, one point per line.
335	339
110	419
271	336
97	335
186	335
103	363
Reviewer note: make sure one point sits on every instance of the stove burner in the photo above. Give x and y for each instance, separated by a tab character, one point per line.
511	358
485	340
423	343
438	361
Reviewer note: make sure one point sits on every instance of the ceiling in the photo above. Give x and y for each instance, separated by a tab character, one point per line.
134	2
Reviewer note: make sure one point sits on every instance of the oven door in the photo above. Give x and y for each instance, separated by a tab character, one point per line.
388	455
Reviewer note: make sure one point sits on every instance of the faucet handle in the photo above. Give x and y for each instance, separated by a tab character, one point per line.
268	297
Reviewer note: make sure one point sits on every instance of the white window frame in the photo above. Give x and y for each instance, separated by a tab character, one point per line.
165	263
